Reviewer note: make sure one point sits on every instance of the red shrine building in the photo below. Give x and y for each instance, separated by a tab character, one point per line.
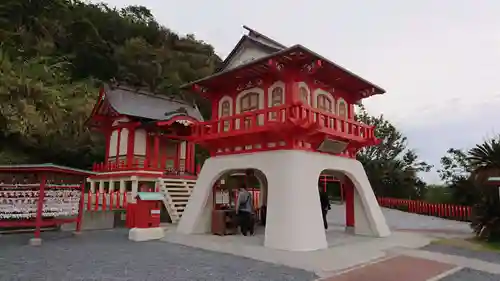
289	113
146	144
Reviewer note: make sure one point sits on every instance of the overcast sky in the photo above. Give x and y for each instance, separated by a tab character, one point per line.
437	60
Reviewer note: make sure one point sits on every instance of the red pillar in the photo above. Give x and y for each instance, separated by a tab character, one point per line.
118	141
349	202
191	156
39	209
147	161
108	142
156	151
130	146
187	156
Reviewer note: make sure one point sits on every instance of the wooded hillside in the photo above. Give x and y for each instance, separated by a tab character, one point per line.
53	57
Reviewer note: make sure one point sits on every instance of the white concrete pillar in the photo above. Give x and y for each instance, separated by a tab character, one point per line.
122	186
101	186
121	191
92	186
111	186
294	220
135	188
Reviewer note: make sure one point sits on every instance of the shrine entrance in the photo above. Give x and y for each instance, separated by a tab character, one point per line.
340	190
225	197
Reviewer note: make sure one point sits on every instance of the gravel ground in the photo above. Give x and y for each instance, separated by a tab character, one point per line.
108	255
401	220
493	257
468	274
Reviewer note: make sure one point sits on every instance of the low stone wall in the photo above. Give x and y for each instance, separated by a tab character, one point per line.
96	221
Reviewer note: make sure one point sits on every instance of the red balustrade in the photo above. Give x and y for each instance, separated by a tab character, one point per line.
136	164
260	120
124	165
106	201
448	211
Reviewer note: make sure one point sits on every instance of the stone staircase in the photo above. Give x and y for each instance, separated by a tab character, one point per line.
176	195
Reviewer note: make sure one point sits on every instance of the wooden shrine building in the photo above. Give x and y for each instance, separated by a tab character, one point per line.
146	143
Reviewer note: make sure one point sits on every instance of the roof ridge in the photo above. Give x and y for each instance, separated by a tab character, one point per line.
258	34
142	91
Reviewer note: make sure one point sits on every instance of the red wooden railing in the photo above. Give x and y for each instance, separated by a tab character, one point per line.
258	120
447	211
139	164
105	201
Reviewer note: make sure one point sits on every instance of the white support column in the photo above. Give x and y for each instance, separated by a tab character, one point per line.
92	186
293	220
101	186
122	191
122	186
111	186
135	188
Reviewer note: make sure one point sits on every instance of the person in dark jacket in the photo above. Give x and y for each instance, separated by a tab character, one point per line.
325	204
244	210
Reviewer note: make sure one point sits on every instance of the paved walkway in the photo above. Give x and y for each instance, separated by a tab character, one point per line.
405	221
420	265
108	255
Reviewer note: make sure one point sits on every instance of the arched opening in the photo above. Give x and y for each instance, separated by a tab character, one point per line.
304	94
277	99
249	102
339	190
226	192
225	112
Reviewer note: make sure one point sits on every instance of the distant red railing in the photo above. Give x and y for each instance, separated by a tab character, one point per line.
447	211
258	120
139	164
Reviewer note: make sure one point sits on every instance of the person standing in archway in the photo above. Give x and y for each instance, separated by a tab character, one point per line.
244	210
325	204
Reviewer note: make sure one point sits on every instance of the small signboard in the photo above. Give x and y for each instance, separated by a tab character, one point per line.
150	196
495	181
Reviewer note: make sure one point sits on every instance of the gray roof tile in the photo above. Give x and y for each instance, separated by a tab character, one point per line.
142	104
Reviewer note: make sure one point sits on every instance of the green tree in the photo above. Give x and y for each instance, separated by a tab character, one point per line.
56	53
484	161
391	166
455	172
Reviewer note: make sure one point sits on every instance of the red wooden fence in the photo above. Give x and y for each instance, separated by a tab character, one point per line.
105	201
447	211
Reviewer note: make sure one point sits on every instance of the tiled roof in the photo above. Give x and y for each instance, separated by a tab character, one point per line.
137	103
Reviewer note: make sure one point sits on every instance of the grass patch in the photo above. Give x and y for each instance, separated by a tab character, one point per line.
492	246
470	244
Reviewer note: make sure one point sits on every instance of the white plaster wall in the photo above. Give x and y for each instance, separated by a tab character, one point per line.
182	153
294	220
123	141
112	143
140	142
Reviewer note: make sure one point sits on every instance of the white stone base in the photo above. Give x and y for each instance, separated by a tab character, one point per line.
146	234
294	220
36	241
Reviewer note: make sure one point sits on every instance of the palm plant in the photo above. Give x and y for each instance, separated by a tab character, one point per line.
484	160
